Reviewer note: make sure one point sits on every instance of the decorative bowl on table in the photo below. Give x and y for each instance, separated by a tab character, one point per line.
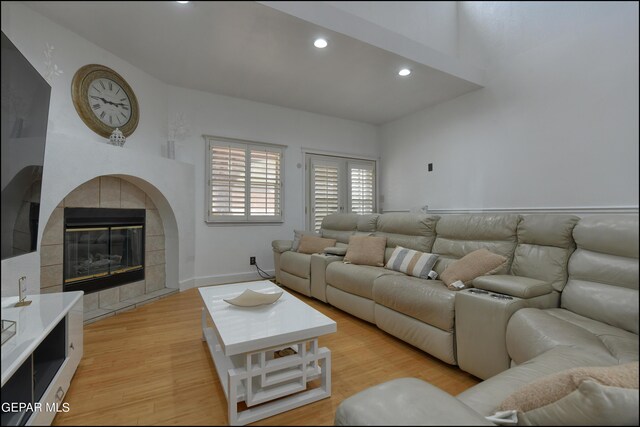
250	298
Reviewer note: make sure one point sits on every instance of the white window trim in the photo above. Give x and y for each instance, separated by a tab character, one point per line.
245	219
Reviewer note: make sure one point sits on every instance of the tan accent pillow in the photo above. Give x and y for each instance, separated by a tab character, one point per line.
474	264
366	250
587	395
297	234
313	244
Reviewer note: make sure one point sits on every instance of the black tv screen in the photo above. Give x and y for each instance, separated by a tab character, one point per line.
25	112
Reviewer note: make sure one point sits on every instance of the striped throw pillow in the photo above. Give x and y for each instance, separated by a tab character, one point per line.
413	263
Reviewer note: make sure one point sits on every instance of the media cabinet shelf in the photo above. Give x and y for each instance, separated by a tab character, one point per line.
39	361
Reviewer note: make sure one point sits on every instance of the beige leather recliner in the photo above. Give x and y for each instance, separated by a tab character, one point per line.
293	269
421	312
536	277
350	287
595	325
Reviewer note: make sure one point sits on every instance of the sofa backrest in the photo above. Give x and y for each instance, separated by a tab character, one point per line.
603	271
339	226
458	235
545	243
367	224
409	230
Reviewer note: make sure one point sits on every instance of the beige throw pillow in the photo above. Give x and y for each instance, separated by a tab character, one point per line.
579	396
313	244
474	264
297	235
366	250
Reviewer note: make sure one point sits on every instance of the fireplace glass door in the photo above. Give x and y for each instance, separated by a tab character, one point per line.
95	252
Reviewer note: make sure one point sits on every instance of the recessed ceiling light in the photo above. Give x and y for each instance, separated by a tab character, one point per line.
183	2
404	72
320	43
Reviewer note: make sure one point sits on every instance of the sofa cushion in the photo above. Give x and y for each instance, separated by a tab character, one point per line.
458	235
314	244
355	279
296	263
545	243
413	231
413	263
366	250
579	396
531	332
472	265
486	396
609	234
603	271
405	401
426	300
367	223
339	226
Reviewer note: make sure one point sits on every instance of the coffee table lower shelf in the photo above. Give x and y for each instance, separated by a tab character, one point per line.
269	385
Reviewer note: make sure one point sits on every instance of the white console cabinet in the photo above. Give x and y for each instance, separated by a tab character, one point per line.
39	361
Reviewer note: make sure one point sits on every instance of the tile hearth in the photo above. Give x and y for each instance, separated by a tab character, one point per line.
105	311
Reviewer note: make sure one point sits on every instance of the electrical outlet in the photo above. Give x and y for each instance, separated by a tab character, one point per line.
252	260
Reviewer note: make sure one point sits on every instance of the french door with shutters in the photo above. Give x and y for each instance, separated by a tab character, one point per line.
338	185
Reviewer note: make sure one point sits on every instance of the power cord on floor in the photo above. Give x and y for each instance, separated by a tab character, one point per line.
263	273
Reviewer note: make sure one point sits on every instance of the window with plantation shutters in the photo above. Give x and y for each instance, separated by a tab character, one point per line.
265	184
338	185
361	187
324	184
245	181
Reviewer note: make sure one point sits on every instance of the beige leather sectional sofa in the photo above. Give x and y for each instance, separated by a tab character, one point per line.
568	297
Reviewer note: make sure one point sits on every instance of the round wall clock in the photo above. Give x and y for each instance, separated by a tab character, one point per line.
104	100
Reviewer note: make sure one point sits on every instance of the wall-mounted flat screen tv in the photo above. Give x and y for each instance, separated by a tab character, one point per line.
25	112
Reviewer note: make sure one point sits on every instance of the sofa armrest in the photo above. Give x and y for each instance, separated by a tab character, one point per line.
515	286
319	263
281	246
336	251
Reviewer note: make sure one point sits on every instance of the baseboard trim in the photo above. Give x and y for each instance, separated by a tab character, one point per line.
553	210
223	279
186	284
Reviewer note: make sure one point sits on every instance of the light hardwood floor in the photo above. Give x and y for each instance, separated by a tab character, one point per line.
150	367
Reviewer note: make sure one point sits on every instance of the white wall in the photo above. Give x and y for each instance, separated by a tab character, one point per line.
31	32
216	253
223	251
432	23
555	126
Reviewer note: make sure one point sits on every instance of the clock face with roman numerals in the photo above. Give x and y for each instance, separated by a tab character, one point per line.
109	102
104	100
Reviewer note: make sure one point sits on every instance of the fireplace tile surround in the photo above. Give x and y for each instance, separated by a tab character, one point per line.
107	192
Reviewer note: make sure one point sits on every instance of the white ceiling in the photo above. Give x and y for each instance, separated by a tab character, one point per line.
251	51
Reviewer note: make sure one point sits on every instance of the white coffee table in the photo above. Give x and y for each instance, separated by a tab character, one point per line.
242	343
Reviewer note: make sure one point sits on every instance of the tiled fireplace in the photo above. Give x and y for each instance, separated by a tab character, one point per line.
105	247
